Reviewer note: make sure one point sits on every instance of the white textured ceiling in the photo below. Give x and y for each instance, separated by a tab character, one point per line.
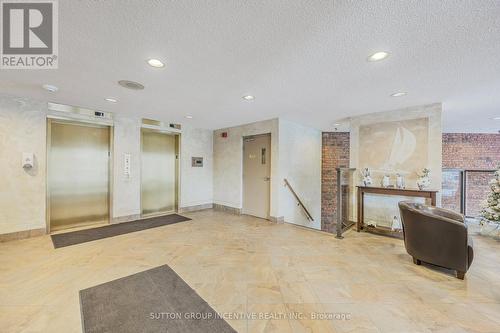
303	60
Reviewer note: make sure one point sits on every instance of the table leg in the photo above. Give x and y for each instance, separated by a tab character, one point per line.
433	199
359	224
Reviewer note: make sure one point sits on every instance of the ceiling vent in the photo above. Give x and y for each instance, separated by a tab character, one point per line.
131	85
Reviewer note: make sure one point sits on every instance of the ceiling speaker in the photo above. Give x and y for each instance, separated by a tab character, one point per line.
131	85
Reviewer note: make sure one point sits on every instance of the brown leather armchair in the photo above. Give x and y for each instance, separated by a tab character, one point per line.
437	236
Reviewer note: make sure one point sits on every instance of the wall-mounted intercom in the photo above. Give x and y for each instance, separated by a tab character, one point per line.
28	160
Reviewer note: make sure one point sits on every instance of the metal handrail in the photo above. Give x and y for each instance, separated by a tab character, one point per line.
299	202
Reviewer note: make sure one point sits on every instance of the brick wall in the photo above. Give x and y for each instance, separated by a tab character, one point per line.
469	151
335	154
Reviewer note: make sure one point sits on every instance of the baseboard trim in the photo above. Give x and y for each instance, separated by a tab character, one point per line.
195	208
126	218
22	235
227	209
277	219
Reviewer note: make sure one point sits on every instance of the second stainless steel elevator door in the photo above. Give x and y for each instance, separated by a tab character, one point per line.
78	174
158	172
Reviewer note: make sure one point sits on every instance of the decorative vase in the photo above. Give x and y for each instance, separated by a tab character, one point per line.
367	179
386	181
396	225
400	181
424	180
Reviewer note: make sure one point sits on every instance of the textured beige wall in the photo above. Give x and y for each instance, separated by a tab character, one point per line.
196	182
228	163
300	163
392	147
126	190
22	192
295	154
374	144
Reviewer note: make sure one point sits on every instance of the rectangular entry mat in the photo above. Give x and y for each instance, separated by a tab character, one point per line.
88	235
156	300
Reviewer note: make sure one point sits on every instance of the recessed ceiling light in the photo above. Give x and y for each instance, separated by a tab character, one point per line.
189	117
156	63
248	97
377	56
111	100
399	94
131	85
50	87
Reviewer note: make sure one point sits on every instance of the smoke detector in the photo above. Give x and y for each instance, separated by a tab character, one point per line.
131	85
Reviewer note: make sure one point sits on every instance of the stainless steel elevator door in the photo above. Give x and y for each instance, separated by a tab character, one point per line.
158	172
78	175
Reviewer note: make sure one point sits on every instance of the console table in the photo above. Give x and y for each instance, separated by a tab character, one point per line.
428	194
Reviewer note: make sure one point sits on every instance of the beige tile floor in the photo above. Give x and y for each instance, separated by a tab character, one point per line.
280	275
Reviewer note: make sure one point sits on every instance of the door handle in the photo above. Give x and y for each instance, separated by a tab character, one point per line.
267	179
